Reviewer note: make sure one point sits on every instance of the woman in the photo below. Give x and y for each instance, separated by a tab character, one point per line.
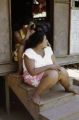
39	67
21	36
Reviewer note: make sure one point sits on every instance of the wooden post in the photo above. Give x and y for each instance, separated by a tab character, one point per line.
7	97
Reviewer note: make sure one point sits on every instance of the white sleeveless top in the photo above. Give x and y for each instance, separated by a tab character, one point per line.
39	60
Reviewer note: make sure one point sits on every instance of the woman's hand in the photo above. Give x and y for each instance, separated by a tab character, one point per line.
56	67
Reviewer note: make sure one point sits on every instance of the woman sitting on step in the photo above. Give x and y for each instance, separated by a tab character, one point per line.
39	67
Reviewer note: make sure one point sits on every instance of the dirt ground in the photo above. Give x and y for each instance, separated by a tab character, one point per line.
17	110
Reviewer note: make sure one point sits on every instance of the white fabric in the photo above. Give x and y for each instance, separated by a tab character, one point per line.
39	60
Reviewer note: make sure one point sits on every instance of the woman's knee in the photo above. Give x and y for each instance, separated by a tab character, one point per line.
64	72
52	74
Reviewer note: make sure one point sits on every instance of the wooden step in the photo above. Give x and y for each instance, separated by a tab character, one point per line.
17	79
66	111
51	98
54	97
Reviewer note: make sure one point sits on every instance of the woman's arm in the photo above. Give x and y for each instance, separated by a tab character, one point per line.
53	59
18	37
30	65
54	62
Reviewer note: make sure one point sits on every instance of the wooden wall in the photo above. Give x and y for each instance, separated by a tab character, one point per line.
4	32
6	64
61	23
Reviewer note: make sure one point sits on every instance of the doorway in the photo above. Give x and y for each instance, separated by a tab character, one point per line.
42	11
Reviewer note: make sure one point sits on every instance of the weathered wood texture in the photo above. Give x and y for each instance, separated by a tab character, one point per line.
67	59
4	32
7	68
61	23
66	111
62	1
6	64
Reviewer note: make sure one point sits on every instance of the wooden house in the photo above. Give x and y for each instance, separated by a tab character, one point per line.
64	21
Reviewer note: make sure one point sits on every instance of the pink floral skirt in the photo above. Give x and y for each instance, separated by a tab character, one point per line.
32	80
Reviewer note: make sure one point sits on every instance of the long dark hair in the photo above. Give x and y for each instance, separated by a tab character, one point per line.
35	39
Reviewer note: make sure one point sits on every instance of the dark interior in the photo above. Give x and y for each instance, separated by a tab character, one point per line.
76	3
22	10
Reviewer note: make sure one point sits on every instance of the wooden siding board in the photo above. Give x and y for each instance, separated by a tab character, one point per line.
61	14
4	32
7	68
68	59
62	1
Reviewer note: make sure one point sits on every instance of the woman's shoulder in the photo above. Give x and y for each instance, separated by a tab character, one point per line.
30	53
48	49
29	50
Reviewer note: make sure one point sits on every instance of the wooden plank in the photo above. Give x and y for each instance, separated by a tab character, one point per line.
61	14
73	116
62	1
17	79
26	87
63	111
5	42
67	59
7	100
53	96
7	68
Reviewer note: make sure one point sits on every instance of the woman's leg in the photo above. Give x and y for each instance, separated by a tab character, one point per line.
49	80
64	80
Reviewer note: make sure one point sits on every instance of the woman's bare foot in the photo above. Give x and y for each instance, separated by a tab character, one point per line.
36	99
